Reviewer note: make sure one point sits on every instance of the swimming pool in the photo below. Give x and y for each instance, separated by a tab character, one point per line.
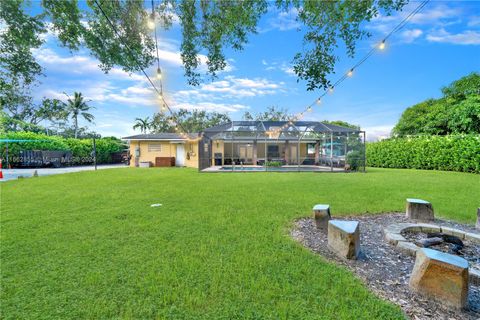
275	169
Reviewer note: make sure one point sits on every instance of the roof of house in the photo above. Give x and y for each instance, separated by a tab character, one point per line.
159	136
251	127
315	126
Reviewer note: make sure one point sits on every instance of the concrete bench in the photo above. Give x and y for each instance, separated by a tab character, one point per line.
344	238
419	210
321	213
441	276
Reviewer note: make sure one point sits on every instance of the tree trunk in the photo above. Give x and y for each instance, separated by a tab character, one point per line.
76	127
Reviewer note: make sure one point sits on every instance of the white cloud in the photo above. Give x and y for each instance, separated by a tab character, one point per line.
474	21
78	64
285	20
436	15
284	67
467	37
410	35
229	88
375	133
439	15
287	69
282	21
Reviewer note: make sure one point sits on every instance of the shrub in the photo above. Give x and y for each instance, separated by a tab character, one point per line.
450	153
355	159
81	148
274	164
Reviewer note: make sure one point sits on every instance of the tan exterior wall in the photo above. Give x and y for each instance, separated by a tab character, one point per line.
167	150
191	154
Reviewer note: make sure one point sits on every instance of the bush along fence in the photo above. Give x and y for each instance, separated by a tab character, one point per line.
79	150
450	153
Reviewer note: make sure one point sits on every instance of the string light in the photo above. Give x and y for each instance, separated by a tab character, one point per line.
381	46
330	89
151	21
350	72
318	102
159	74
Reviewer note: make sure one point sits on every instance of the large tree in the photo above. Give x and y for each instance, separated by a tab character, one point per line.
272	113
458	111
207	27
190	121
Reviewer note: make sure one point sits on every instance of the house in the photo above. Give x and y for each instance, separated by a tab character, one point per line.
256	146
162	149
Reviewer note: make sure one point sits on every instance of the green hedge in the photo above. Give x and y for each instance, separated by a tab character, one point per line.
81	148
451	153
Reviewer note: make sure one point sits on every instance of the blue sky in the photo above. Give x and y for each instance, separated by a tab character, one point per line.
439	45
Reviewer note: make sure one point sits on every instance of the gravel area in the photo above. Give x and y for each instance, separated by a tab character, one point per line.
384	269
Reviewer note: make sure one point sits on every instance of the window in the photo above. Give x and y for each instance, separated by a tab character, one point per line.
273	152
310	148
154	147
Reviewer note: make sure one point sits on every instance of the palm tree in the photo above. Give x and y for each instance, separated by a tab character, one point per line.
142	124
78	107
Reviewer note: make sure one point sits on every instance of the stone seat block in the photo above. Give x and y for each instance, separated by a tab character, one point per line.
419	210
344	238
441	276
321	213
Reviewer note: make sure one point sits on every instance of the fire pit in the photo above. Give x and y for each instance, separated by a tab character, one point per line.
386	266
409	237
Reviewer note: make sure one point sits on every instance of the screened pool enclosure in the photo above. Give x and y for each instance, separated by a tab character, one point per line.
281	146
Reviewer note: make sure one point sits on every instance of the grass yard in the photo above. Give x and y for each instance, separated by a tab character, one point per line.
88	245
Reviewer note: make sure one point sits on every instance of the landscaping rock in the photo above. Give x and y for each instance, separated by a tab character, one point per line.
454	232
428	228
407	248
441	276
472	237
321	213
344	238
419	210
393	238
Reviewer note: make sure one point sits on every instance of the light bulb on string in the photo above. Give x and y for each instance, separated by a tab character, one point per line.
159	74
151	21
350	72
330	89
318	101
309	109
381	46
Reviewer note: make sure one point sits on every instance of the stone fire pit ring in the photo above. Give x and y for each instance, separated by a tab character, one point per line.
393	235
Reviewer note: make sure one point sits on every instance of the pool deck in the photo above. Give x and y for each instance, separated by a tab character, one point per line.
286	168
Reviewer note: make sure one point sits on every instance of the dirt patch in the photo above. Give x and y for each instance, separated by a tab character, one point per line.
384	269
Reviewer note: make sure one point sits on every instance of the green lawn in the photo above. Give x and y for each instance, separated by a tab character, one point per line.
88	245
